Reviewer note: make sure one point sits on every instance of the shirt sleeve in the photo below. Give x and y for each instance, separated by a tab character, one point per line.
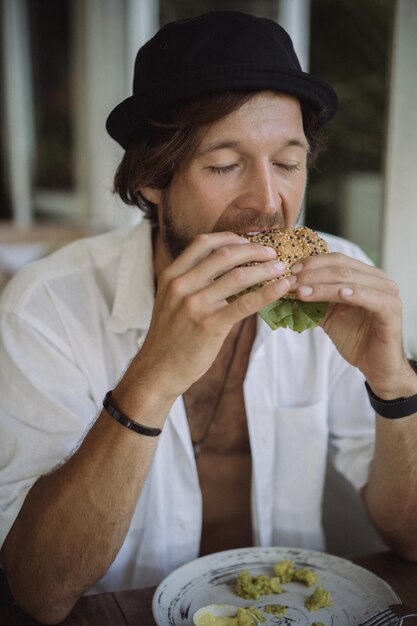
42	420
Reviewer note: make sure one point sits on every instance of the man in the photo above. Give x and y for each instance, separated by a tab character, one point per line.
228	423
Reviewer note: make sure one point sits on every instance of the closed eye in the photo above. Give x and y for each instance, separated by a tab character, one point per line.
222	169
288	167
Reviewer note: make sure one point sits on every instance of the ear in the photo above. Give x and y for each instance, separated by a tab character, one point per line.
151	194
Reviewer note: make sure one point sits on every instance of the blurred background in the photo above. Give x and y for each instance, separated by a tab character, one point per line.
65	63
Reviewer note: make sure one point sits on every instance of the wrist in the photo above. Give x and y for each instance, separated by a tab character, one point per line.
401	402
403	385
142	403
124	420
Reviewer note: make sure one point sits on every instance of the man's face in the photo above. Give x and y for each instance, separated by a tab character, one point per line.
248	174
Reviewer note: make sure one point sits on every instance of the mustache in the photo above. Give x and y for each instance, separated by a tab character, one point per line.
248	223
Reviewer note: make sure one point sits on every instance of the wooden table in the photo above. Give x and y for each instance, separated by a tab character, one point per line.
133	608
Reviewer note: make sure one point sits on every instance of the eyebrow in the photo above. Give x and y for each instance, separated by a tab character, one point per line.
234	145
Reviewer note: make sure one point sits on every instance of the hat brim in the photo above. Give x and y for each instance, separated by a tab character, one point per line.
130	114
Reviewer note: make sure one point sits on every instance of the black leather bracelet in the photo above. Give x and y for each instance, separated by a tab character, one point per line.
398	407
126	421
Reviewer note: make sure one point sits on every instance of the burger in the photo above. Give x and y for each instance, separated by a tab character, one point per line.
292	245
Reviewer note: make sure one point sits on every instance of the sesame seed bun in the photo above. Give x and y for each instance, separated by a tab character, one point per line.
291	245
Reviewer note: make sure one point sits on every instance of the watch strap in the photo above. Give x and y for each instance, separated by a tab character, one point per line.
396	408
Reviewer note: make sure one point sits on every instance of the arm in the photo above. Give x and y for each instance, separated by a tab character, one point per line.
390	495
364	322
75	519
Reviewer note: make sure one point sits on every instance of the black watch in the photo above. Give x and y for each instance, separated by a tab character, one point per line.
392	409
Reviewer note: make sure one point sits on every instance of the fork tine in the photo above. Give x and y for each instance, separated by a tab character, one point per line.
395	613
389	619
380	619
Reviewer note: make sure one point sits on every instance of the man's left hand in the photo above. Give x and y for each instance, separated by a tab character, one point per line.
364	318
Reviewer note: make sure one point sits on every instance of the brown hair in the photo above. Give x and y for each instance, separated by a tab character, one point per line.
159	147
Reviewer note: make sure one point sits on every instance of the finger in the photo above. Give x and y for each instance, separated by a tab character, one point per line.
250	303
205	302
336	259
240	279
219	261
225	258
343	275
202	246
379	302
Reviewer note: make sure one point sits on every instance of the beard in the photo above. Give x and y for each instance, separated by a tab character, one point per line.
177	237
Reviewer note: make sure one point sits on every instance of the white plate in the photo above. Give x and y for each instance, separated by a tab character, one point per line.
211	579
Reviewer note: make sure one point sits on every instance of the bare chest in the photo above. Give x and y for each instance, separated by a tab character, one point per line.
215	404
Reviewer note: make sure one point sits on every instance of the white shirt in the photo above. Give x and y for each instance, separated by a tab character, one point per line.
70	324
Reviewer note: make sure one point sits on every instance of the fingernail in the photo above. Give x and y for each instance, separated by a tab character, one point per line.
305	291
243	240
346	291
297	268
292	279
279	265
270	251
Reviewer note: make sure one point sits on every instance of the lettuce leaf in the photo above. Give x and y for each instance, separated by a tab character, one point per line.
294	314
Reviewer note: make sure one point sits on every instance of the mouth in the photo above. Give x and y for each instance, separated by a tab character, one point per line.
256	232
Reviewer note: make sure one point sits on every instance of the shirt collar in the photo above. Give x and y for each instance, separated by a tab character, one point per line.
135	288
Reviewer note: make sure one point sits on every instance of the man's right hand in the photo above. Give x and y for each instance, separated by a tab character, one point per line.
193	315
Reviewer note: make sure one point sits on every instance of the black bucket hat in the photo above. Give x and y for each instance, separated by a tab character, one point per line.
215	52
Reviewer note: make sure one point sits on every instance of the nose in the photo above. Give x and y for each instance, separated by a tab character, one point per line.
261	191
